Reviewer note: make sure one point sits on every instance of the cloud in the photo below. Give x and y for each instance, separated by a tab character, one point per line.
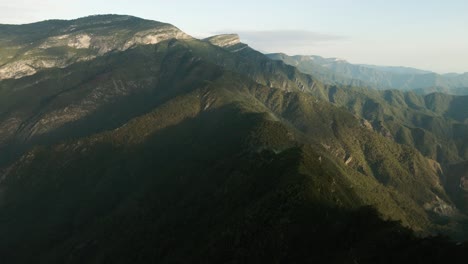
296	37
14	14
287	40
28	11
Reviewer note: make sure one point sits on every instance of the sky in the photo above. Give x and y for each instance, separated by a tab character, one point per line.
425	34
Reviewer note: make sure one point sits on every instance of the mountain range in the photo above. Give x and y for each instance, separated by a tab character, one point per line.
341	72
125	140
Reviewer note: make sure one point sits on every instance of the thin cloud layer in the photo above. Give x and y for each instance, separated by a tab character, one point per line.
287	39
29	11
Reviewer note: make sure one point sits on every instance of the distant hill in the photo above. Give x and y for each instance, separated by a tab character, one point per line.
337	71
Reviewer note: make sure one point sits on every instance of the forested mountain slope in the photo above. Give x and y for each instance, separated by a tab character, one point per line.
196	151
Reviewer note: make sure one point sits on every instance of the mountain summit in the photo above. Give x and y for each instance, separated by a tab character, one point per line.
57	43
225	40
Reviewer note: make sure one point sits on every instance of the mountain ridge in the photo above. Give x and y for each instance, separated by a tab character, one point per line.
75	40
195	151
334	71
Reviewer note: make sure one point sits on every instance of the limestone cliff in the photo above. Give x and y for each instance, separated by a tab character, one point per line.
225	40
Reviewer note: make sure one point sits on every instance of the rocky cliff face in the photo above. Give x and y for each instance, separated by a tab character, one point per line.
225	40
79	40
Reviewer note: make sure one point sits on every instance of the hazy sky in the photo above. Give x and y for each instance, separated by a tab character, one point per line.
426	34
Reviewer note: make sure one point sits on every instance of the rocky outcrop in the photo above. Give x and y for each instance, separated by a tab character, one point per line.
78	41
440	207
17	69
224	41
154	36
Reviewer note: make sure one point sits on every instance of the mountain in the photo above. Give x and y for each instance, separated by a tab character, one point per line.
341	72
436	124
190	150
26	49
398	69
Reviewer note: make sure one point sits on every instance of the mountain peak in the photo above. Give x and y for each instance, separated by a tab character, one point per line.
75	40
224	40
